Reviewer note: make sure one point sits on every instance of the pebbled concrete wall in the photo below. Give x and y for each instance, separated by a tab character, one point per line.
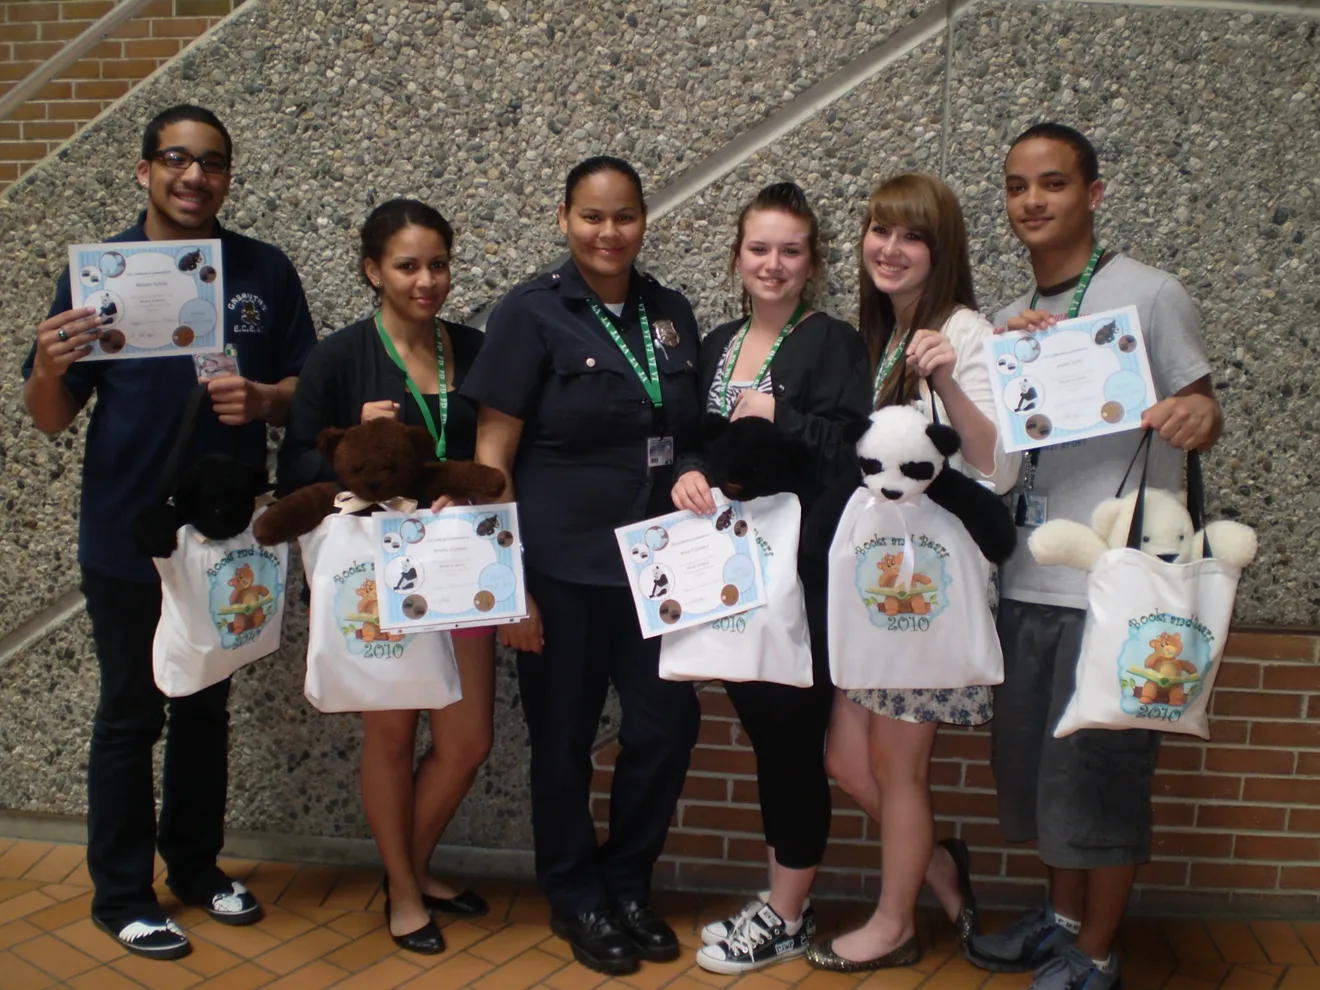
1205	121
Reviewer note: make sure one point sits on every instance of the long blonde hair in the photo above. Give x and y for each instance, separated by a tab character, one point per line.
925	205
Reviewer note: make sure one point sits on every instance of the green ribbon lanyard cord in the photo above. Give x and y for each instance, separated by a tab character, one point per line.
736	349
1083	283
887	365
443	392
1074	307
651	381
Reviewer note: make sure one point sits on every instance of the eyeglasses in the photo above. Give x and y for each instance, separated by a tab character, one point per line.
181	161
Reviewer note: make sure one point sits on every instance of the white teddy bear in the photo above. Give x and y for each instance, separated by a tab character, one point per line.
1166	533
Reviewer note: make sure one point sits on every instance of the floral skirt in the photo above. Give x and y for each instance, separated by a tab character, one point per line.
957	706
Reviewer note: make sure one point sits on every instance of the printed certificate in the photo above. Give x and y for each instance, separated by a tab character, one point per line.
451	569
686	569
1085	377
163	298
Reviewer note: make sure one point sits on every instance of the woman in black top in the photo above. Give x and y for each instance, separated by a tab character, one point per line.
587	386
806	372
351	377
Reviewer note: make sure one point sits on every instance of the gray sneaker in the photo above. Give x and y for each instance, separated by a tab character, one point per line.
1027	944
1075	970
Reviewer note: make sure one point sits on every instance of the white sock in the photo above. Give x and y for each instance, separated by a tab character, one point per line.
792	927
1067	923
1106	965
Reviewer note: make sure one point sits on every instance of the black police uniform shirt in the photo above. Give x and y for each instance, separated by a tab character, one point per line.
581	465
139	403
350	368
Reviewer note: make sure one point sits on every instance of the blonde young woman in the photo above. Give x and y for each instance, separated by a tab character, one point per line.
924	334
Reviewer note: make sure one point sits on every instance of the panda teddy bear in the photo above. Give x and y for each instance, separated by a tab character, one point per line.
906	546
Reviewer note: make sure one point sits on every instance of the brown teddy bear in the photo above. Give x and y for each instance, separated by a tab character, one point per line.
376	461
1167	663
247	593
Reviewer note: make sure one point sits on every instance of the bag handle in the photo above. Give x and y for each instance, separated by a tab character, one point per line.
187	430
1195	493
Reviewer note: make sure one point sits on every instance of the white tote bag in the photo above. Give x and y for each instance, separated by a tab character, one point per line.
352	665
222	607
770	643
907	599
1154	633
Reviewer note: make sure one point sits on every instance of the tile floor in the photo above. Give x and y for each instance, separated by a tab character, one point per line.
324	928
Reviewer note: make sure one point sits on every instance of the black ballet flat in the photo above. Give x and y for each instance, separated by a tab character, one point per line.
967	925
426	941
468	904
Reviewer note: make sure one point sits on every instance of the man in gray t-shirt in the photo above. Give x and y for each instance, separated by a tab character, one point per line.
1086	797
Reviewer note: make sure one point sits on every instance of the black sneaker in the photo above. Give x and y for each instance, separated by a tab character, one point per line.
147	937
762	940
723	929
232	904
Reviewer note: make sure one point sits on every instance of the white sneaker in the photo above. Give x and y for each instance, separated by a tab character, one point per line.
762	940
721	931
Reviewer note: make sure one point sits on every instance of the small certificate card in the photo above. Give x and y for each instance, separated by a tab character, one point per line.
162	298
1085	377
687	569
451	569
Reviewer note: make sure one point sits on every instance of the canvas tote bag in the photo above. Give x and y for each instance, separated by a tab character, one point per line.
1154	632
907	599
352	664
770	643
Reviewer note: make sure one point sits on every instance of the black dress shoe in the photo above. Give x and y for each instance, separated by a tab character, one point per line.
656	941
968	924
426	941
468	904
597	942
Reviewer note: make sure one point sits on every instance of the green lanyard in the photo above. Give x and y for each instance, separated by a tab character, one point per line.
1083	283
732	360
442	397
649	382
887	365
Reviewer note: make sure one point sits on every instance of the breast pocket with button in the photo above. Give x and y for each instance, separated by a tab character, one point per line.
593	400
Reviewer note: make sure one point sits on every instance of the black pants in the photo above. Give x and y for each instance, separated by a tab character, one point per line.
122	833
787	726
592	638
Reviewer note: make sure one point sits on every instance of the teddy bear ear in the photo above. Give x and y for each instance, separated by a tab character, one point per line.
422	443
855	429
713	427
328	439
945	438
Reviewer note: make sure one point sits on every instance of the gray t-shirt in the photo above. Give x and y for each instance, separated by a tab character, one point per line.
1076	477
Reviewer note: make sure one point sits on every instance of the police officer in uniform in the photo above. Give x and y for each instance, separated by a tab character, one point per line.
587	391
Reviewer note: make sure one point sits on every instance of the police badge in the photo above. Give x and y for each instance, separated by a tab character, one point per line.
666	333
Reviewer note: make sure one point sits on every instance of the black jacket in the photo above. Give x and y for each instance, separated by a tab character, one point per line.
821	382
352	367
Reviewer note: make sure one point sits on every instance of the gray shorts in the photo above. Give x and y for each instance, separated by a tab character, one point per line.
1086	797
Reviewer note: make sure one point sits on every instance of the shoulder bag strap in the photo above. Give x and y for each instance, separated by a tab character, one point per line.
187	429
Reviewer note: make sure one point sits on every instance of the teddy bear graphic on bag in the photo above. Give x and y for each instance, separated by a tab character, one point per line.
892	594
1167	658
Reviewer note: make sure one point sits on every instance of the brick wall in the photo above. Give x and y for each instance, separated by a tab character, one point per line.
31	31
1237	818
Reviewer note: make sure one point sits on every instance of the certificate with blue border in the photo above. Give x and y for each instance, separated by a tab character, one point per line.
685	569
1082	378
452	569
158	298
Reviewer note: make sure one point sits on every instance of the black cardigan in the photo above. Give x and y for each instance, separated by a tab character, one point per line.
821	382
349	368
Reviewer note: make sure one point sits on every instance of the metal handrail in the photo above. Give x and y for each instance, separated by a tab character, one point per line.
31	84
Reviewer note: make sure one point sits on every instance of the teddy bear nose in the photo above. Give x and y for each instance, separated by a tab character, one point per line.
1168	558
890	494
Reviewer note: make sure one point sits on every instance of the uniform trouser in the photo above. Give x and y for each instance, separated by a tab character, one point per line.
787	727
592	639
122	832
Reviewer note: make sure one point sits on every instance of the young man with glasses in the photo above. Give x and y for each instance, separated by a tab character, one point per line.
185	171
1085	798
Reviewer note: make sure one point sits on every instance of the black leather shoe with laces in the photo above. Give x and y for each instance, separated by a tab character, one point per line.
655	940
598	942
